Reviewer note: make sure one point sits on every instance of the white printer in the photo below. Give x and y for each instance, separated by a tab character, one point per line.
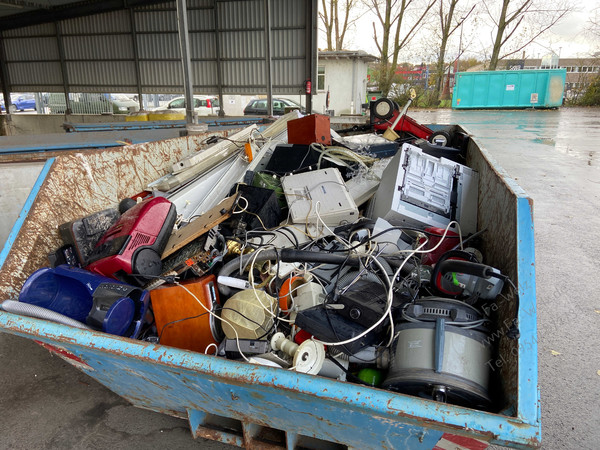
419	190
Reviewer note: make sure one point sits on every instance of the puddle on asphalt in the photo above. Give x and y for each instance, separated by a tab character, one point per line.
568	131
545	141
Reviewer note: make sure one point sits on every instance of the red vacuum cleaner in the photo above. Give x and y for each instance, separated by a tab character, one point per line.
131	249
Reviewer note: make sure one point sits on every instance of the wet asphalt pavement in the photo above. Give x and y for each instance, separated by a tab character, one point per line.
553	155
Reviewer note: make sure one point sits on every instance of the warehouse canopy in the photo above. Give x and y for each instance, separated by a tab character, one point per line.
235	46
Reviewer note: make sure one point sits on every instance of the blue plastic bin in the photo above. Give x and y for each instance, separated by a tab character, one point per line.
254	406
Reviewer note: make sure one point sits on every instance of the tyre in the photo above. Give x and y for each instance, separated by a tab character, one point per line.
441	138
383	108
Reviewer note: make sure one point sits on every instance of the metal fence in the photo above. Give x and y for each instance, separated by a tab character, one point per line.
84	103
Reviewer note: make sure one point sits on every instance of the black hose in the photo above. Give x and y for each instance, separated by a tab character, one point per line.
470	268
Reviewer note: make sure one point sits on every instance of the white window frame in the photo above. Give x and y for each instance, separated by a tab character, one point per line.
322	75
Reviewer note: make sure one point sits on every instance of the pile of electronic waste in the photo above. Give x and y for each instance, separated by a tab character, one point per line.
348	257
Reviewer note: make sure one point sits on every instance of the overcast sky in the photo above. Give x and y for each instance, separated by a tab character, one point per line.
566	38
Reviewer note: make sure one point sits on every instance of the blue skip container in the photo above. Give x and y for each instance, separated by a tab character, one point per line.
509	89
263	407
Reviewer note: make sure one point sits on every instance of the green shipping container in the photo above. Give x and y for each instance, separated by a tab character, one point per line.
542	88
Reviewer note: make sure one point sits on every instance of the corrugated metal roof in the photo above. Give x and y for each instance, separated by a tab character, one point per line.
201	20
155	21
240	73
287	43
288	72
101	73
154	74
35	30
205	74
101	47
99	51
203	46
241	15
31	49
288	13
200	4
112	22
27	73
242	44
158	46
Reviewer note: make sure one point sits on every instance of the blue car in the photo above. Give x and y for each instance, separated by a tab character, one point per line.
23	102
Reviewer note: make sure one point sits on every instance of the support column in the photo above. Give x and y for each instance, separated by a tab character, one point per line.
136	58
310	50
5	80
267	6
218	55
63	67
353	104
184	47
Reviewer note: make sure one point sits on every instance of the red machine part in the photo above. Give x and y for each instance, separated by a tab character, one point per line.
450	241
134	243
406	125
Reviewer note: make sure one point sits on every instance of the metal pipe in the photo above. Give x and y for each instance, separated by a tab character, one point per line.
267	5
218	54
138	78
63	67
310	50
39	103
354	88
184	46
4	79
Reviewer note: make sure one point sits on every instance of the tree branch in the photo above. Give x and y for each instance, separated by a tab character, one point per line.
519	12
461	21
375	39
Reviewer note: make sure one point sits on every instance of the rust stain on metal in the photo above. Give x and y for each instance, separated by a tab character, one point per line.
78	184
518	423
146	379
251	444
434	423
534	442
216	435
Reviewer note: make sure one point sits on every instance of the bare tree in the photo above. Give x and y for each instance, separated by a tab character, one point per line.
448	25
337	16
399	21
592	28
511	19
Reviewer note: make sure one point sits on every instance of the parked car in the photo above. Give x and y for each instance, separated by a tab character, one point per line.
203	105
259	107
90	103
122	104
25	101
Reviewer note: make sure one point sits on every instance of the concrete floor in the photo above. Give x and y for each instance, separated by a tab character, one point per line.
553	155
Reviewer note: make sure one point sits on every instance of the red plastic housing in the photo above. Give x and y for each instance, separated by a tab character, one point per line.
146	226
407	125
